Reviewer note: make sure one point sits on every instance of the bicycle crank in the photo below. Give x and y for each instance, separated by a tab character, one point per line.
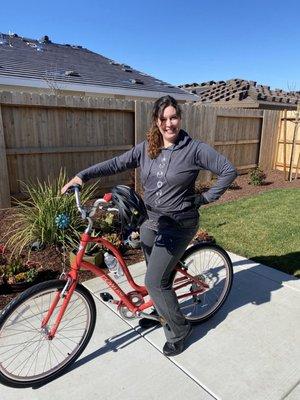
136	299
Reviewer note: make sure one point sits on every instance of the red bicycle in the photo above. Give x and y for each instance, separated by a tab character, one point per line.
45	329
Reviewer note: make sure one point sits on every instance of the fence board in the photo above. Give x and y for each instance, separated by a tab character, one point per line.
74	149
143	112
285	142
4	177
46	100
269	139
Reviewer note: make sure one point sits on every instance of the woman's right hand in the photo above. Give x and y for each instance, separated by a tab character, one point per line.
74	181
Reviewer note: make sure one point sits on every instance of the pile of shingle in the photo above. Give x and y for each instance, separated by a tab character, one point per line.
238	90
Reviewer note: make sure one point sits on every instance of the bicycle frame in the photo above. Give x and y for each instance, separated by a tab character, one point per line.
78	263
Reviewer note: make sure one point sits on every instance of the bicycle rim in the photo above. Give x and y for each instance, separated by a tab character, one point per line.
26	354
212	266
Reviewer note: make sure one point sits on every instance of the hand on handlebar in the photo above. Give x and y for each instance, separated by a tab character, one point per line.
74	181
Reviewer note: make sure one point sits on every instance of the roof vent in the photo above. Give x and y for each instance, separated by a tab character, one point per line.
31	44
54	74
72	73
45	39
112	62
126	68
137	81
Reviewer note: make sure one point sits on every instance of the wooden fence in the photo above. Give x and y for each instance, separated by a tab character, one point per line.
40	134
288	149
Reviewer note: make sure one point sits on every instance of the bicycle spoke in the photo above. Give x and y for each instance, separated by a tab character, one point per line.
21	351
209	264
26	351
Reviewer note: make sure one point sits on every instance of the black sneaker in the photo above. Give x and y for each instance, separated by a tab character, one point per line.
172	349
146	323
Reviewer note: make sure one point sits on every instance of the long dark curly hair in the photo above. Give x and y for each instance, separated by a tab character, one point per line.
154	137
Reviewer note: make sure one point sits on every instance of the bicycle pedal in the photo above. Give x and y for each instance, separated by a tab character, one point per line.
105	296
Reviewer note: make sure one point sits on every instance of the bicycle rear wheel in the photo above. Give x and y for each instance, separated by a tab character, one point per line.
204	291
27	356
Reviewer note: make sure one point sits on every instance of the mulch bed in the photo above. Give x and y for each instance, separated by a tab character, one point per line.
50	259
241	187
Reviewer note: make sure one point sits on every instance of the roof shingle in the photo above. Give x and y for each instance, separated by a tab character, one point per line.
41	59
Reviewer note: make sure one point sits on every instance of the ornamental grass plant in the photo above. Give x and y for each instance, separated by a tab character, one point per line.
35	218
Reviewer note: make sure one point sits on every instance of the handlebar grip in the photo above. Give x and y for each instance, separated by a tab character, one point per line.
73	188
107	197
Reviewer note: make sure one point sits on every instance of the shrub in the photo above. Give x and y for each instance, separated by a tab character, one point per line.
16	271
35	218
107	223
13	268
257	177
114	238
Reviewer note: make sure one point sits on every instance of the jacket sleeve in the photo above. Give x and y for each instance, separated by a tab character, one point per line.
209	159
130	159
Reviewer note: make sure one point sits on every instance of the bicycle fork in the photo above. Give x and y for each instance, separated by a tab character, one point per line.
65	294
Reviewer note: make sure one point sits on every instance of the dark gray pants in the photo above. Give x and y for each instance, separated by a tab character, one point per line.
163	244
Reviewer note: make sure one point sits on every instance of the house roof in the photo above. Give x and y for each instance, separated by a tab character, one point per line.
240	92
38	63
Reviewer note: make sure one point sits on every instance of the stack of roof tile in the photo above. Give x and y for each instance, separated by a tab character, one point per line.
238	90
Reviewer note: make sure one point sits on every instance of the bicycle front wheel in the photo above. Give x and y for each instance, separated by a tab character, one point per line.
27	356
204	290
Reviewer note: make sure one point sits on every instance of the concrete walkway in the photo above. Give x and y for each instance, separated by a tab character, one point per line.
249	351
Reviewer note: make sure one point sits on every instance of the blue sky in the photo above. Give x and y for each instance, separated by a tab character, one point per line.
176	41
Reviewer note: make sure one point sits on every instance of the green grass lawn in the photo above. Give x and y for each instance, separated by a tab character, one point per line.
265	228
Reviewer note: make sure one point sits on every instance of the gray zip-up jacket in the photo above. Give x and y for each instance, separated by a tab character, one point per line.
169	179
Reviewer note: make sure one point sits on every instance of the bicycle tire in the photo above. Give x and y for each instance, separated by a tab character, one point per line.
27	356
212	264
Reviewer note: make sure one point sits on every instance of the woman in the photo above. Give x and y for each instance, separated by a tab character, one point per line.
170	161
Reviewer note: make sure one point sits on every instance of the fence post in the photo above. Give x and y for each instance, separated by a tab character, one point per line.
4	179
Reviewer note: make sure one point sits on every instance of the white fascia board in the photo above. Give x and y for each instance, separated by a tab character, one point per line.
39	83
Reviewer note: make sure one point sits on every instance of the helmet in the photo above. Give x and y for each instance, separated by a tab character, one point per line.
131	207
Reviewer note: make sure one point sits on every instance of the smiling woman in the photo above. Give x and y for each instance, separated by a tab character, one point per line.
165	126
170	161
169	125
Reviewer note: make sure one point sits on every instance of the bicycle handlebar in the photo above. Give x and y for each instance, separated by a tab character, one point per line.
85	213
